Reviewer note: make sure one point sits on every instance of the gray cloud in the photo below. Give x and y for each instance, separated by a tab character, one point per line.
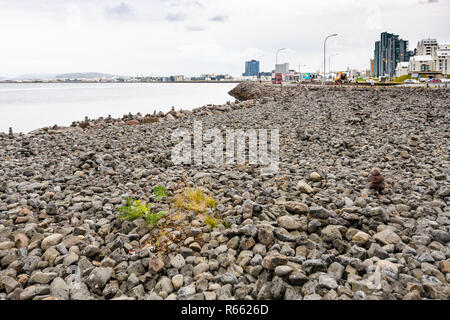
219	18
174	17
122	11
428	1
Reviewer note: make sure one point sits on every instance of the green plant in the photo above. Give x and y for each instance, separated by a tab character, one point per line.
211	221
159	192
194	199
136	209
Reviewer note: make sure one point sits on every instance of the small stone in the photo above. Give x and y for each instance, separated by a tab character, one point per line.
6	245
229	278
59	289
266	237
70	259
405	154
314	265
314	176
35	290
331	233
282	271
42	278
186	291
200	268
288	222
328	282
247	209
99	277
387	236
271	261
360	238
177	281
177	261
296	207
51	240
376	250
10	284
336	270
209	295
319	212
21	240
444	266
302	186
155	264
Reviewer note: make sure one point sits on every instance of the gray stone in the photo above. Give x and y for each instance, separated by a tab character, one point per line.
99	277
51	240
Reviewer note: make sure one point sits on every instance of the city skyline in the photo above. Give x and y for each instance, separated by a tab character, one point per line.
194	37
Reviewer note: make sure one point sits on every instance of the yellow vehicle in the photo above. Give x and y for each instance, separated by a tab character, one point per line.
341	78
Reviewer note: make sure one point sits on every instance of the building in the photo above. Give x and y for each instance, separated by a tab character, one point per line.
442	59
282	68
176	78
251	68
432	60
421	64
389	51
427	47
402	69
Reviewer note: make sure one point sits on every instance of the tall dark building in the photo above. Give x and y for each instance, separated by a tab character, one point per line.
389	51
251	68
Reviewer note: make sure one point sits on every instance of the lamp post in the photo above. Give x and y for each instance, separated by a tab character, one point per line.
276	58
325	55
329	60
299	72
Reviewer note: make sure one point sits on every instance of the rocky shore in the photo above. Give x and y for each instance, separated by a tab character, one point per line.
359	208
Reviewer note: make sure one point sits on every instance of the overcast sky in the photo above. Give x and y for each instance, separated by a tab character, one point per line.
163	37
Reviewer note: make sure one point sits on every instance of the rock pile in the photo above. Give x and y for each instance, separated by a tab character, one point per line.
313	230
250	90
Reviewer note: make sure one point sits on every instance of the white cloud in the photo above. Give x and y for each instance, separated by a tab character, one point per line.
139	37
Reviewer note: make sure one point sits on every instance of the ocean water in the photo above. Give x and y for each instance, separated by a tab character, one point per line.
28	106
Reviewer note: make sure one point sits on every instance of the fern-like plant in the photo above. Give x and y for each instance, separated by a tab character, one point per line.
136	209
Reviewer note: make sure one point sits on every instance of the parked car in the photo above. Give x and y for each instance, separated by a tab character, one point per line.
411	81
434	81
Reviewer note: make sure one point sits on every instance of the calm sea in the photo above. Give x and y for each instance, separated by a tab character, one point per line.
28	106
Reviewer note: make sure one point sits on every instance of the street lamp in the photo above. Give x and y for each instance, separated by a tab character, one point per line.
299	72
324	55
276	60
329	60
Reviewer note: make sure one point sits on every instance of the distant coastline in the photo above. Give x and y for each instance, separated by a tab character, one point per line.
84	81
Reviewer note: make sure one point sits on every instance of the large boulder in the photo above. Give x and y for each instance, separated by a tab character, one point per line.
249	90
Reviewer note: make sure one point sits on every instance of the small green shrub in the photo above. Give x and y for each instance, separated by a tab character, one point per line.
136	209
194	199
159	192
211	221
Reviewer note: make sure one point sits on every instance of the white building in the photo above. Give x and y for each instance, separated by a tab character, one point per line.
282	68
426	47
420	64
442	59
431	59
402	69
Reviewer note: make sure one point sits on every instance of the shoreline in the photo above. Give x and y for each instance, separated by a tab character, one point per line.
326	226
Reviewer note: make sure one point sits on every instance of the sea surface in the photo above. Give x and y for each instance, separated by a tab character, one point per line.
29	106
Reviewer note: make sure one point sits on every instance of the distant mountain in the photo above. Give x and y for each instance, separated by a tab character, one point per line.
85	75
74	75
